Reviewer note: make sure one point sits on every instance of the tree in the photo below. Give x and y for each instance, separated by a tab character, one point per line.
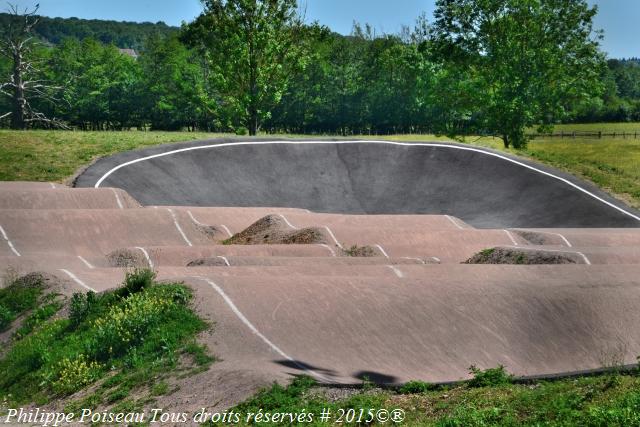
104	85
25	83
534	59
251	48
175	91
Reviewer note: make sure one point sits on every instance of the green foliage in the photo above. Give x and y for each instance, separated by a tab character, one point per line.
174	87
200	354
414	387
135	281
36	318
610	400
6	317
529	68
304	79
250	48
135	333
160	389
80	307
122	34
19	296
487	252
72	375
489	377
279	397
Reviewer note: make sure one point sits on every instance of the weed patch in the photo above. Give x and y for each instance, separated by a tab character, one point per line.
359	251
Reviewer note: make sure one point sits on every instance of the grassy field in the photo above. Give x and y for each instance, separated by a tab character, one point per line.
611	163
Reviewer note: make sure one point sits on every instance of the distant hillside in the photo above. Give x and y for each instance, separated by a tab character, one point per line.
123	34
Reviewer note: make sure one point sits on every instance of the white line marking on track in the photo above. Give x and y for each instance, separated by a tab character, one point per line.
175	221
78	281
383	251
396	271
13	248
115	193
333	237
584	257
287	221
565	240
454	222
226	261
407	144
193	218
227	230
87	263
256	332
328	247
146	255
511	237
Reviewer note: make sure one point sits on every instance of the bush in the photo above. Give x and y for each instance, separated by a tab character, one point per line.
80	307
135	281
489	377
414	387
242	131
125	325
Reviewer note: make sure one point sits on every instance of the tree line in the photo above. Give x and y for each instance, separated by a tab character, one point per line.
131	35
479	67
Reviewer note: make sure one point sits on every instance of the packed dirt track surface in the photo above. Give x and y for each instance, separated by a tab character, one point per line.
386	297
484	188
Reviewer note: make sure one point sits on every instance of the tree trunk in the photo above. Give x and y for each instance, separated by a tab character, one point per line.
505	140
19	101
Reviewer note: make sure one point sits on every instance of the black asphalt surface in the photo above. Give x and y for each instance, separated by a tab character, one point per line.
361	178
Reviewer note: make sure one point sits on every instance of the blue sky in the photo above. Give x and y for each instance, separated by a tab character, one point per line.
619	18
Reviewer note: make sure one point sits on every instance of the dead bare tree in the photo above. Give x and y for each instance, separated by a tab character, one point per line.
24	84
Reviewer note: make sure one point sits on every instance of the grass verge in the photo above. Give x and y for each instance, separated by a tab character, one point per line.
489	399
117	343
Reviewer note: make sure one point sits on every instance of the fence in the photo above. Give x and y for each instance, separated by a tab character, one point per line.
581	134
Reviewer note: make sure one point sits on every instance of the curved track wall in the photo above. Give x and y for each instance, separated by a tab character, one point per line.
484	188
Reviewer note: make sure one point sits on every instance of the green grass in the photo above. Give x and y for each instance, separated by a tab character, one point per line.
598	127
55	155
123	340
19	296
493	400
613	164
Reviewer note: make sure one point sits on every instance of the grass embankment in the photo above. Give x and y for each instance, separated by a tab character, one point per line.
124	342
490	399
611	163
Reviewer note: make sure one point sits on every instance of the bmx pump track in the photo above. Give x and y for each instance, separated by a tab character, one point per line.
348	259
